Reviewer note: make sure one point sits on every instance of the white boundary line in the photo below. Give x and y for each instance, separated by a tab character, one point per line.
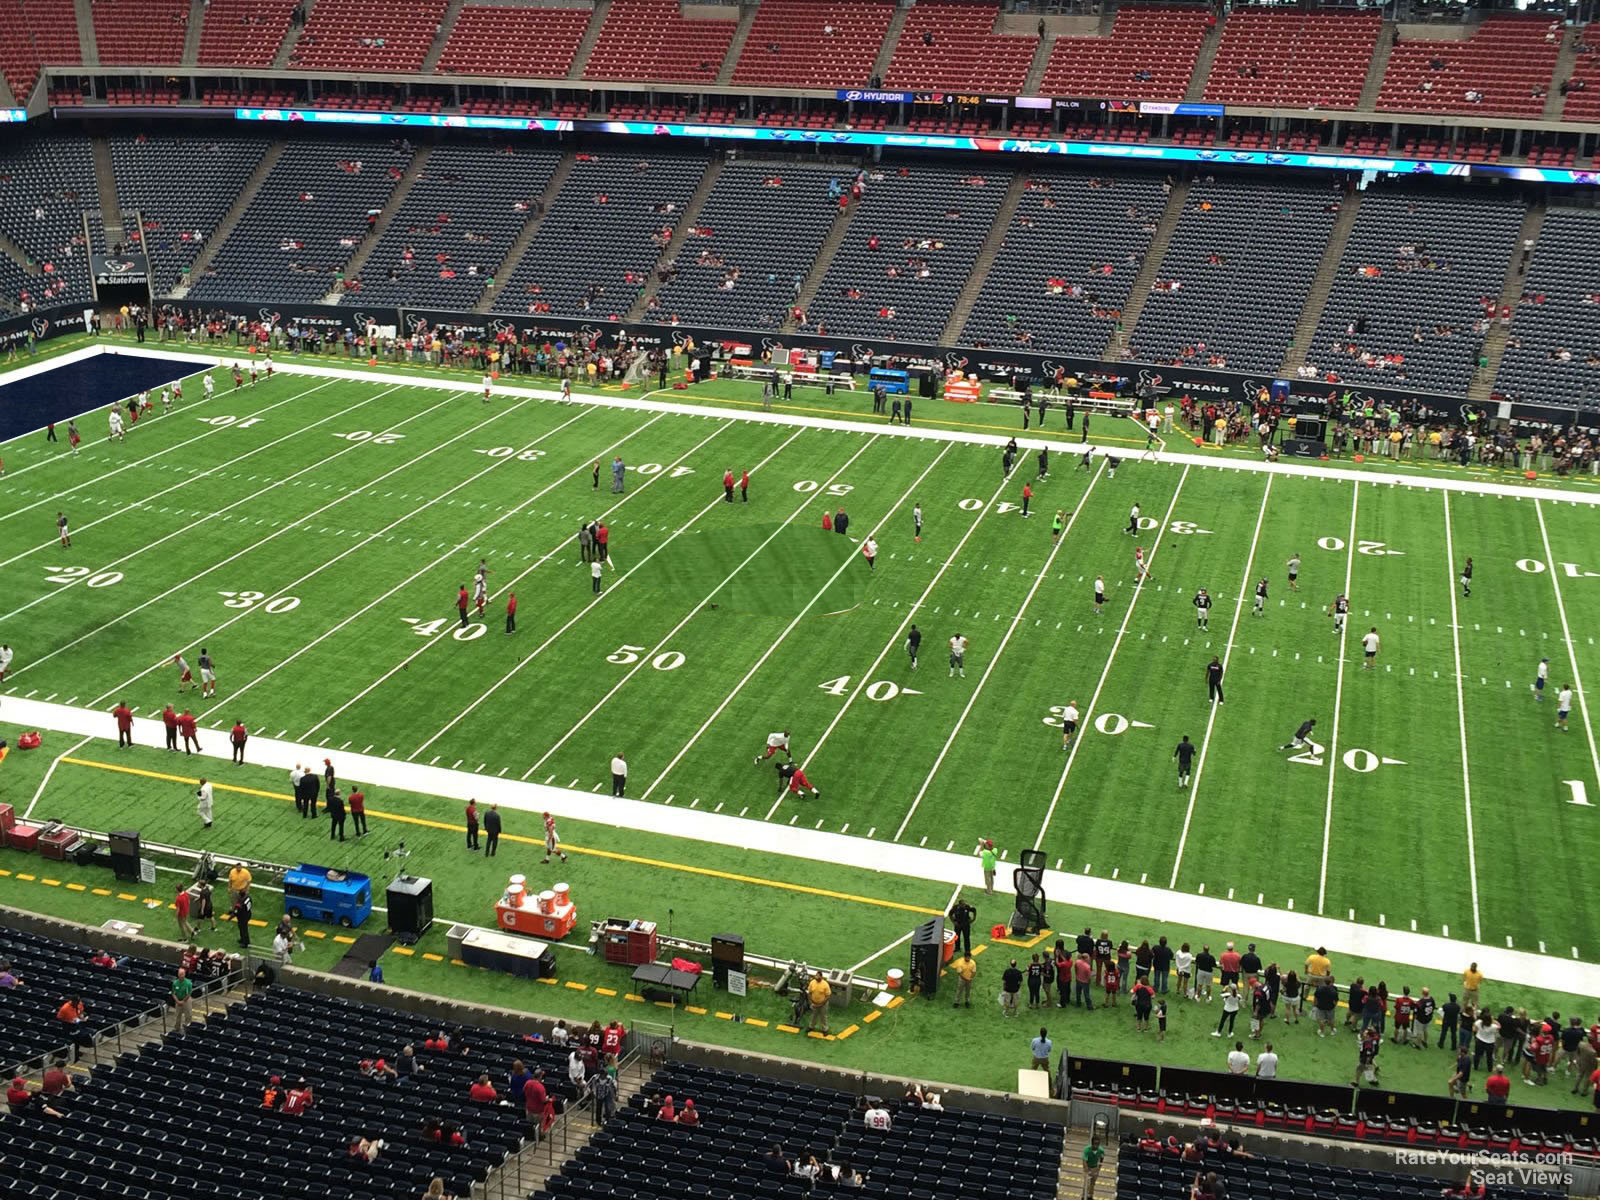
1543	971
57	497
790	627
284	590
866	679
563	545
806	501
928	433
1566	635
1227	653
54	763
438	560
1338	695
190	526
994	659
1461	717
122	616
1105	673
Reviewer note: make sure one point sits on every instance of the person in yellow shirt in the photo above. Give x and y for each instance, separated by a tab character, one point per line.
239	879
966	970
1471	980
1318	966
819	993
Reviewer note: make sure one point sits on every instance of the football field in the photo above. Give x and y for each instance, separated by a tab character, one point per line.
312	533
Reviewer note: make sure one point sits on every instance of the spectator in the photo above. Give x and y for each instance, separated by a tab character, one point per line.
1230	964
577	1071
668	1111
300	1099
1238	1060
408	1065
55	1081
1471	981
182	998
1093	1155
1318	967
1042	1046
877	1117
688	1114
1230	1010
966	970
1082	972
1486	1034
1267	1063
819	994
1498	1086
1010	989
1326	1001
482	1091
1205	964
603	1091
71	1015
436	1190
8	979
535	1101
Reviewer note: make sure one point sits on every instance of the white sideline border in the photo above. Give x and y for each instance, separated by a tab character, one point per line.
844	425
1546	972
1227	917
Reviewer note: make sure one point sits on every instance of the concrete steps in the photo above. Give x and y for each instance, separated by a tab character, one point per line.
369	243
191	34
1494	343
669	252
992	242
591	36
558	177
819	268
1317	295
280	61
526	1171
1202	64
1179	197
1565	61
1041	60
1375	72
105	179
741	34
430	61
891	39
86	39
230	221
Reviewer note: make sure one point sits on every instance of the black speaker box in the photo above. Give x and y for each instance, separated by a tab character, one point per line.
125	853
727	954
927	956
410	901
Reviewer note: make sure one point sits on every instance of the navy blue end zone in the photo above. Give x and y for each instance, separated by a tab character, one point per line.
81	387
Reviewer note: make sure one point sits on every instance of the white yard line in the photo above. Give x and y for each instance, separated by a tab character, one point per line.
866	679
1461	717
51	770
438	560
804	846
178	587
1566	636
849	563
693	612
1338	695
1227	653
1105	672
563	546
58	497
190	526
994	659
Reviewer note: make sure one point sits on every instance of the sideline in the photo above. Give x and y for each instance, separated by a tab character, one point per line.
1543	971
840	425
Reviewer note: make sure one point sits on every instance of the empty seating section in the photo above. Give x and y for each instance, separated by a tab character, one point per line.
976	1156
245	33
952	44
1553	354
368	35
790	45
759	231
1416	277
929	224
53	971
190	1109
33	33
1150	55
182	187
601	236
454	227
1582	102
140	31
1229	290
1508	62
1061	277
651	39
1145	1176
535	43
304	222
1294	59
45	185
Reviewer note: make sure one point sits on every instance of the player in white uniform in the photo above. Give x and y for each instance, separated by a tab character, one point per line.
488	387
566	389
267	363
166	400
116	426
1563	707
1141	569
5	661
480	588
1369	648
1099	592
210	385
1294	571
1541	676
177	389
1069	723
253	369
958	655
1340	608
144	401
777	740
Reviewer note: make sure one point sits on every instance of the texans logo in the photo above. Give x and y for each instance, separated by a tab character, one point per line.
118	267
1047	365
362	320
679	337
503	326
1153	381
41	326
1251	387
418	324
771	345
589	333
860	353
267	315
955	362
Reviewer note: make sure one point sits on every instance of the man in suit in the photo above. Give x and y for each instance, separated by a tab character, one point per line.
306	792
335	809
491	826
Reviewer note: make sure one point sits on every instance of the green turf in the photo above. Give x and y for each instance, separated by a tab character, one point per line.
321	573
